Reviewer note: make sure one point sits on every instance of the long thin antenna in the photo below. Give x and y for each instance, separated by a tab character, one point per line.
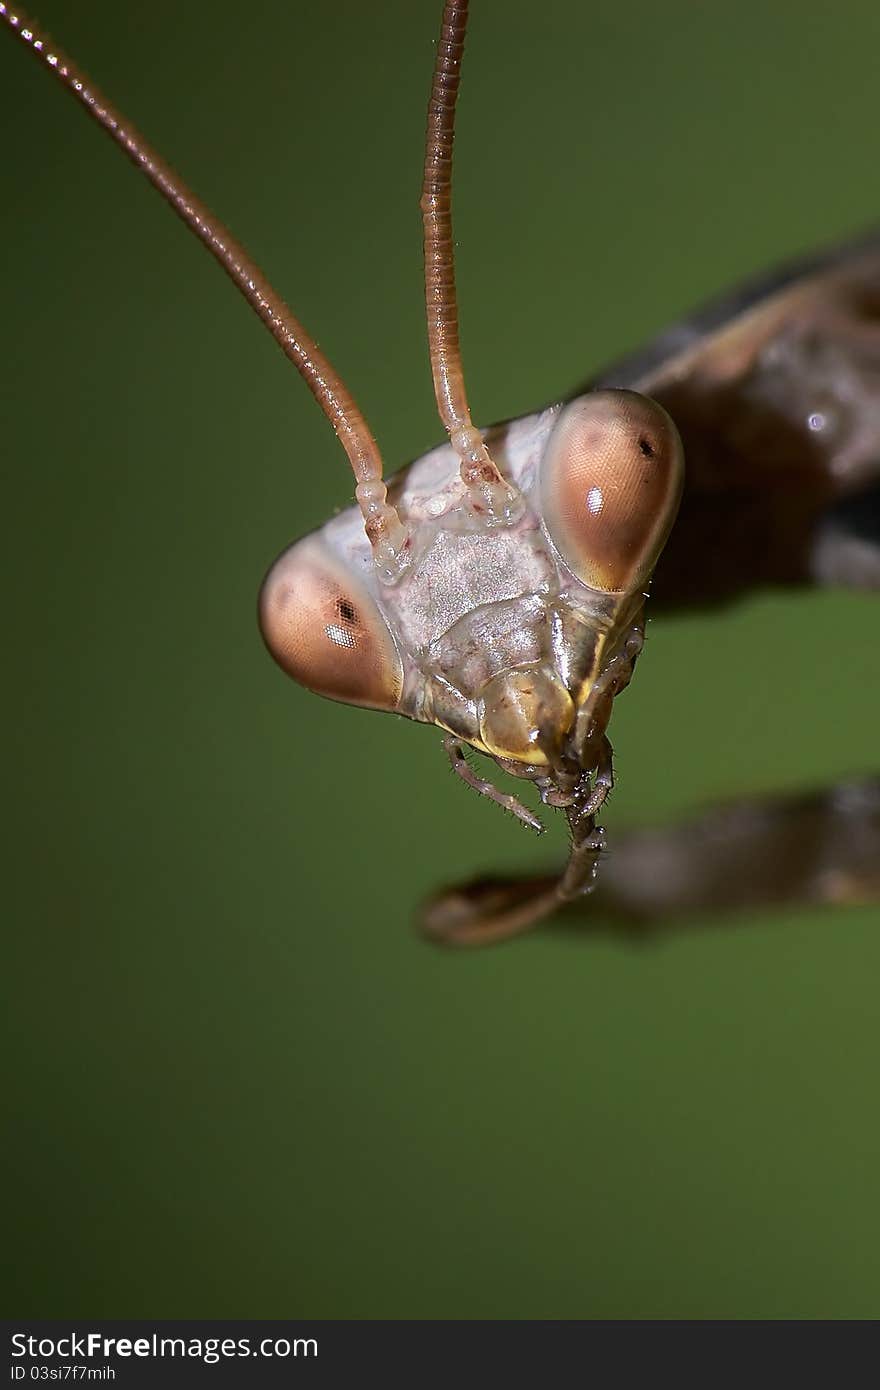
381	521
479	473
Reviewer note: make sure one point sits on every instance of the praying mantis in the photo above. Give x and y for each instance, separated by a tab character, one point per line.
742	387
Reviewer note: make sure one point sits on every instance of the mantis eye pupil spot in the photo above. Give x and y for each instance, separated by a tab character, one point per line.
646	447
347	610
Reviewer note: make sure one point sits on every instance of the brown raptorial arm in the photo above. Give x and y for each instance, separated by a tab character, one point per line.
478	471
381	521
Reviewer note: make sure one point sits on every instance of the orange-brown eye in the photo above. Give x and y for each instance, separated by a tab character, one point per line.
324	628
610	486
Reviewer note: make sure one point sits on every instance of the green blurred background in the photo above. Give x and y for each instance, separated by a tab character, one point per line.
240	1083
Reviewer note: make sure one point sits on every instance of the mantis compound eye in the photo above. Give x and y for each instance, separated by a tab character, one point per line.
610	483
324	628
